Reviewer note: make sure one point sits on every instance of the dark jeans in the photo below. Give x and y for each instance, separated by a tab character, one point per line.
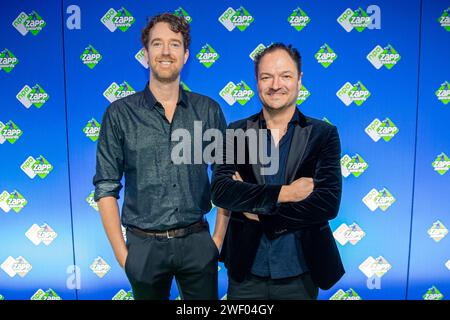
257	288
152	263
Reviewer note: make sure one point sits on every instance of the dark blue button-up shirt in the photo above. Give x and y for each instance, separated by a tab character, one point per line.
281	257
135	142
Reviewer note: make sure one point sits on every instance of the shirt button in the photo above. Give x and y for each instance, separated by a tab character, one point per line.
176	209
174	185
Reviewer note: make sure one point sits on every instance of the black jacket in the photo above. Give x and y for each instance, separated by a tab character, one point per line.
314	152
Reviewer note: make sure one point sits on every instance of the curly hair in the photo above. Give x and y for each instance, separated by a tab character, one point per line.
177	24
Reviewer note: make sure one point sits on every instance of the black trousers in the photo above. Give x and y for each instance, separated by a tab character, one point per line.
152	263
253	287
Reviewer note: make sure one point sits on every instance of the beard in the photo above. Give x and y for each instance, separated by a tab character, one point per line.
167	76
172	77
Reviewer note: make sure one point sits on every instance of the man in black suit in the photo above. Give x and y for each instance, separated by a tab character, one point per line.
279	244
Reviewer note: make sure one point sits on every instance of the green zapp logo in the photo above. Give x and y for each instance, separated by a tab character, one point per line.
32	22
360	20
385	129
356	93
386	56
359	93
350	294
433	294
357	19
36	167
233	93
444	19
13	200
353	165
123	295
91	202
38	96
10	132
124	90
242	93
50	294
92	129
35	95
2	297
443	93
299	19
7	60
239	18
303	94
90	57
207	56
325	56
120	19
441	164
180	12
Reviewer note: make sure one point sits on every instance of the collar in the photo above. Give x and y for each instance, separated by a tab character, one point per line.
294	120
152	102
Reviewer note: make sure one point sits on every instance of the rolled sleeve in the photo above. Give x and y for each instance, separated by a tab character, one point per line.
219	123
109	159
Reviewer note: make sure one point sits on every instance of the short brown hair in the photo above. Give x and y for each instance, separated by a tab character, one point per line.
289	49
177	24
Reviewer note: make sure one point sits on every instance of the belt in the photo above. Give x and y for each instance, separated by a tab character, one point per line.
173	233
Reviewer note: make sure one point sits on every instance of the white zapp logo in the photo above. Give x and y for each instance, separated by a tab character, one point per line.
352	233
227	93
378	267
225	19
108	18
19	23
18	266
141	58
100	267
41	234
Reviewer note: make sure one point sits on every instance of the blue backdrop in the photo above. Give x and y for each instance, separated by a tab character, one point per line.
379	71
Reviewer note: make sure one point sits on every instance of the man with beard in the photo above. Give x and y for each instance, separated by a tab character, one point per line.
279	244
165	202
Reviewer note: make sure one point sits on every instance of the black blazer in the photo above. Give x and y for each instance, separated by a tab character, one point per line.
315	152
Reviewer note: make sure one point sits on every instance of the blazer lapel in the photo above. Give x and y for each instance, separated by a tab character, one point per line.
299	142
298	145
256	166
